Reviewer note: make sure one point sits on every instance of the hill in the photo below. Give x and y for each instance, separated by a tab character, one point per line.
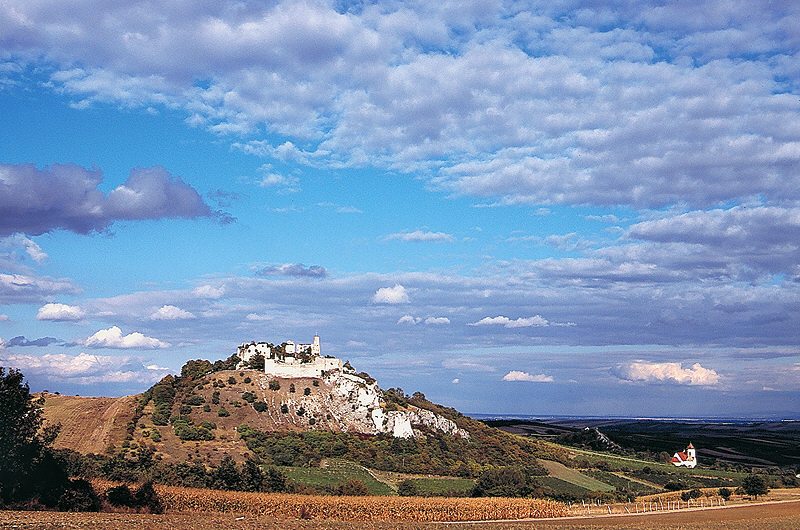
215	410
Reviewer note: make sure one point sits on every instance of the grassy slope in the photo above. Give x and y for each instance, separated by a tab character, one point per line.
334	473
573	476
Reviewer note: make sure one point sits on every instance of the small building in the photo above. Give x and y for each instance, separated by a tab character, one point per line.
249	349
685	459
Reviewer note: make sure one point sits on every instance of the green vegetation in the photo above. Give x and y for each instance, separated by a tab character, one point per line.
436	453
335	474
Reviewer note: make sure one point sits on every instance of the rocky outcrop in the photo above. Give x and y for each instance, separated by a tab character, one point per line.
360	403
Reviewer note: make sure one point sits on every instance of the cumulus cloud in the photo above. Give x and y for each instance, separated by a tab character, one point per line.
60	312
668	372
419	235
294	269
113	338
437	321
66	196
171	312
534	321
516	375
85	369
391	295
408	319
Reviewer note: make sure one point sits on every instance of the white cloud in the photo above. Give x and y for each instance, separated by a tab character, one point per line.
60	312
255	317
408	319
516	375
391	295
171	312
437	320
534	321
208	291
4	317
456	381
670	372
113	338
28	245
419	235
85	368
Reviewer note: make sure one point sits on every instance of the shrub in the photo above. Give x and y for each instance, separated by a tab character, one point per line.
306	391
147	498
352	487
260	406
206	408
222	412
231	380
284	408
274	385
210	425
185	410
249	397
247	380
291	388
79	496
195	400
407	488
315	382
155	435
120	496
215	397
301	411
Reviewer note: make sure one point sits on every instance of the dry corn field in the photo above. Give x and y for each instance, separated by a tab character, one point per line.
373	508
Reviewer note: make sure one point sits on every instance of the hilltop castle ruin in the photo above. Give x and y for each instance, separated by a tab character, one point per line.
290	360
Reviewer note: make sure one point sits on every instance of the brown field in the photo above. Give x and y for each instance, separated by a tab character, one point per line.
368	508
88	424
756	516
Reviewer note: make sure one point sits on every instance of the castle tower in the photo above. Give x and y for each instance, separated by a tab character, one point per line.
315	346
690	452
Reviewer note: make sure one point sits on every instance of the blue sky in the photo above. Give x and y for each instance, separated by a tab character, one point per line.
531	208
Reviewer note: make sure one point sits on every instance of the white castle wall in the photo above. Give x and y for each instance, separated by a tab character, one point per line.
294	369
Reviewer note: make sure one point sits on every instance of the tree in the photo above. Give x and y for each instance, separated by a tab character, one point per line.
755	485
725	493
256	362
30	473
